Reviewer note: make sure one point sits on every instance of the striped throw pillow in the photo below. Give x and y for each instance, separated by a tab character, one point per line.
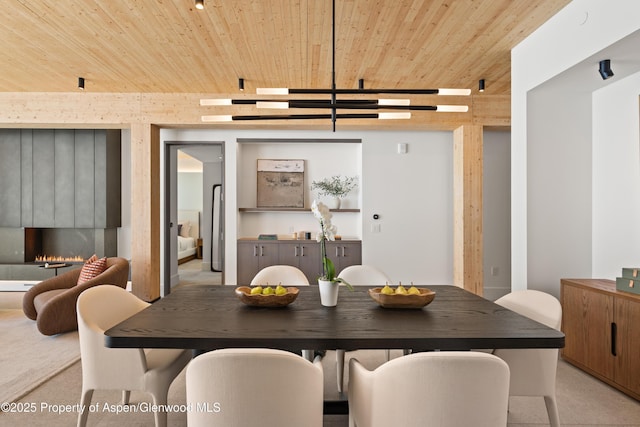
92	268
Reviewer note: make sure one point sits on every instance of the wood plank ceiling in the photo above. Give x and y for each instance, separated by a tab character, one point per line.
168	46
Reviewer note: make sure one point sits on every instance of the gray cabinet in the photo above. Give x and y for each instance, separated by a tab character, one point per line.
10	211
253	255
303	255
344	253
107	178
64	182
26	177
44	178
61	178
84	179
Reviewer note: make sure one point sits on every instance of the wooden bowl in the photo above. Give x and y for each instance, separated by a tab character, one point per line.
401	300
259	300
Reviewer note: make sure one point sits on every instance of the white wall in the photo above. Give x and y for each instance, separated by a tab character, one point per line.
616	178
496	218
413	195
557	139
558	187
190	191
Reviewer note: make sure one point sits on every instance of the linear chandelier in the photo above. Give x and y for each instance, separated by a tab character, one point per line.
380	108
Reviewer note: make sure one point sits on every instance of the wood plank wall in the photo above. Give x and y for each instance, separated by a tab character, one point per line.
145	114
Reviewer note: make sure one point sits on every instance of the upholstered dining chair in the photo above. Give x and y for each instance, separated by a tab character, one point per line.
254	387
52	302
286	275
359	275
103	368
445	389
533	371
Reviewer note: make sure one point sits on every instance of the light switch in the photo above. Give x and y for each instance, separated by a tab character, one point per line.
402	148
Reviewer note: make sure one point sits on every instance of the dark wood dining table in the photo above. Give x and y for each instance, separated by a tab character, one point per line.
211	317
204	318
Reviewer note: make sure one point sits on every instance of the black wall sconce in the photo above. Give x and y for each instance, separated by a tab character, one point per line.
241	84
481	85
81	83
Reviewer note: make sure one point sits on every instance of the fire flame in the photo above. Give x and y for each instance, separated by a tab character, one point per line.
47	258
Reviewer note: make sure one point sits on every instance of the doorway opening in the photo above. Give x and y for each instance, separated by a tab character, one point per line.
194	214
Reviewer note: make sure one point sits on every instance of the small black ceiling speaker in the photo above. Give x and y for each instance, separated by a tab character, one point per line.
605	69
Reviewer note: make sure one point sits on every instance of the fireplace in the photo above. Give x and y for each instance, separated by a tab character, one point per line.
70	245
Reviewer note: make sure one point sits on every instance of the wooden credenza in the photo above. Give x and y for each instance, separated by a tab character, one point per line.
254	255
602	332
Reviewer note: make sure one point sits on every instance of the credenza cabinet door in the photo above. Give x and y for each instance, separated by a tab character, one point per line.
253	257
587	318
10	174
627	369
344	253
303	255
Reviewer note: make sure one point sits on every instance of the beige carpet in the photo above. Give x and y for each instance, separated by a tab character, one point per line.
28	358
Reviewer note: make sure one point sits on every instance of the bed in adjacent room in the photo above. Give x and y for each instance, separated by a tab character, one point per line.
188	234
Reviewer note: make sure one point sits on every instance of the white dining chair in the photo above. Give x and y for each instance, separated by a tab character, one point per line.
359	275
444	388
103	368
533	371
254	387
286	275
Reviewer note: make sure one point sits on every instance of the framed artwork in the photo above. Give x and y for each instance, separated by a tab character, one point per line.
280	183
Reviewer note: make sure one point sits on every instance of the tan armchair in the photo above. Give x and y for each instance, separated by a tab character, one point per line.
52	302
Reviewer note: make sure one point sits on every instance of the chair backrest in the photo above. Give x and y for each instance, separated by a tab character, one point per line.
254	387
533	371
287	275
436	388
99	308
364	275
539	306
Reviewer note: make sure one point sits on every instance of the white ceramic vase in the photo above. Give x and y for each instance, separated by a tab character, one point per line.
328	293
333	202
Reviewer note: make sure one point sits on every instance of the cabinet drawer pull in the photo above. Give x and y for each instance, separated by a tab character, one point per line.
295	251
255	250
614	330
261	250
302	250
343	251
